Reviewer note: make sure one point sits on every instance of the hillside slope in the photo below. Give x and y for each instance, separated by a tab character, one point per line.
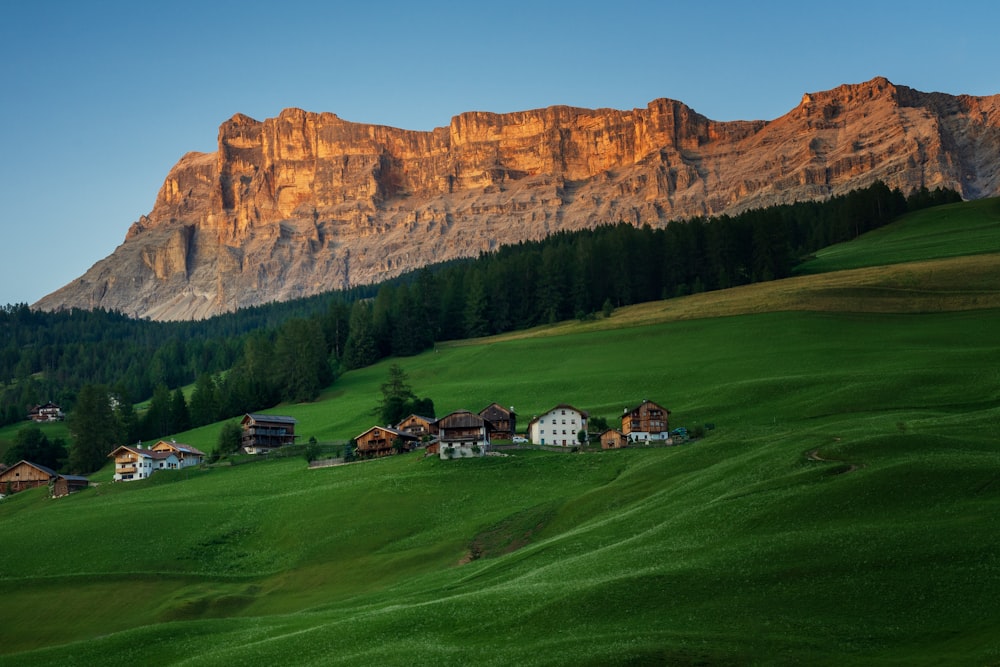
842	511
307	202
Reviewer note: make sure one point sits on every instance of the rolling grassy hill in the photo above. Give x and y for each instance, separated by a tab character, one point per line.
844	510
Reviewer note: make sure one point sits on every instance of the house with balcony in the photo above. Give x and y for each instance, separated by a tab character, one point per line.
647	421
384	441
135	462
187	455
463	434
262	433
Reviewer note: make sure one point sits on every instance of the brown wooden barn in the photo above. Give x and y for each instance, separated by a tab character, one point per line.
25	475
504	421
67	484
418	426
613	439
384	441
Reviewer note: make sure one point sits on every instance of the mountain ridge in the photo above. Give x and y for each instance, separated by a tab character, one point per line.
307	202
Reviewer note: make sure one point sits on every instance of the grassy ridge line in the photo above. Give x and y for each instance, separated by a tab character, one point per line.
944	285
967	228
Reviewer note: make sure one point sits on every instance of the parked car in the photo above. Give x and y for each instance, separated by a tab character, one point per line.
519	440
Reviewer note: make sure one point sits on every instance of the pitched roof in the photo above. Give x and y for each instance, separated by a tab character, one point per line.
389	429
74	478
561	406
48	471
279	419
147	453
644	402
463	419
181	447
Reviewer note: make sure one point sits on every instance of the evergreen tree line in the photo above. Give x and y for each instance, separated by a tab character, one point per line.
257	357
50	356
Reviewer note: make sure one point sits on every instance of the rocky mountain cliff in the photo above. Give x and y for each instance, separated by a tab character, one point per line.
307	202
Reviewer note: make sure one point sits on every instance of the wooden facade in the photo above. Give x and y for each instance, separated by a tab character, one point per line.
463	433
384	441
418	426
613	439
186	454
67	484
504	421
646	421
25	475
262	433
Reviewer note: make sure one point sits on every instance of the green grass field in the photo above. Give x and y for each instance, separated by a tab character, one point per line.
845	509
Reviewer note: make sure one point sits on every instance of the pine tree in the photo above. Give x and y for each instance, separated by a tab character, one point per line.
360	350
93	426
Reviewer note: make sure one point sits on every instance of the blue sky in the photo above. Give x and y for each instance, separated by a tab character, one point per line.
100	99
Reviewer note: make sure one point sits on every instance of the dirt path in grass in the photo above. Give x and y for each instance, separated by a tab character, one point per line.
813	455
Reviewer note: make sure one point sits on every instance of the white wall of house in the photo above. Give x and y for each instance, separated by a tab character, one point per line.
464	449
558	426
144	467
643	436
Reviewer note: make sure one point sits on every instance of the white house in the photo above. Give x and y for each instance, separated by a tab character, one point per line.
559	426
187	455
134	462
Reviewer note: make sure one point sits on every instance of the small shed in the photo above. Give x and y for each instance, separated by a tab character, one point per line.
613	439
67	484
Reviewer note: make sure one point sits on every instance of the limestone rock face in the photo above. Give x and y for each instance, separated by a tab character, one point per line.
307	202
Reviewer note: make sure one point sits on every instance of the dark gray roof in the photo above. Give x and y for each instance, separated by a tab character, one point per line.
280	419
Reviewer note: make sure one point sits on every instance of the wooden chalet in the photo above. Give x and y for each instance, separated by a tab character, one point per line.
25	475
262	433
384	441
613	439
559	426
187	455
646	421
49	412
463	433
504	421
418	426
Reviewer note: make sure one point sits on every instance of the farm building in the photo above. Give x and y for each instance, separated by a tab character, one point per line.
418	426
646	421
67	484
463	433
136	462
559	426
504	421
384	441
613	439
262	433
25	475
